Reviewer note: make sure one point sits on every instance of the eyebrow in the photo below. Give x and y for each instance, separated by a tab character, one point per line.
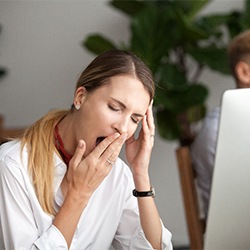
124	106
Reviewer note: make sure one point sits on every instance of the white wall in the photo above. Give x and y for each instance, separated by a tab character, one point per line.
41	47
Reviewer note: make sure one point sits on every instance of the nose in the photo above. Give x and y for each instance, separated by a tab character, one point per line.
122	125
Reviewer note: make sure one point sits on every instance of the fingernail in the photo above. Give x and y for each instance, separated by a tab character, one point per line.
116	135
80	143
124	136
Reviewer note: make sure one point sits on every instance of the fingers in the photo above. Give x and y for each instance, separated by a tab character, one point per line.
79	152
150	119
104	144
109	149
148	125
114	149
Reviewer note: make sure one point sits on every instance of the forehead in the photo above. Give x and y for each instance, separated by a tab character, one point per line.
128	90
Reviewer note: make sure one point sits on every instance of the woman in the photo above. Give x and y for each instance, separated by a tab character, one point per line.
62	183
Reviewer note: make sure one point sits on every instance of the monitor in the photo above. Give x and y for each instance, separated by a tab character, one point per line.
228	222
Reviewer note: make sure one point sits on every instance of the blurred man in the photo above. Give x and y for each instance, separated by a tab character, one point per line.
203	148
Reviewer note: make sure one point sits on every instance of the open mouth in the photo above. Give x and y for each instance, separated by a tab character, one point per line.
99	140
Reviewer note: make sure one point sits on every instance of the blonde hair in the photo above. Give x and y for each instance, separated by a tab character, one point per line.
39	138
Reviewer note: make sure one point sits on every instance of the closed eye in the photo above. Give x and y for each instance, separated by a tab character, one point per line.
135	120
113	108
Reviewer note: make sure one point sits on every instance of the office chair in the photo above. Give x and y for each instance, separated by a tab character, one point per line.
195	225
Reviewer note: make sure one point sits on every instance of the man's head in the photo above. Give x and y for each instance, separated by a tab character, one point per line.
239	59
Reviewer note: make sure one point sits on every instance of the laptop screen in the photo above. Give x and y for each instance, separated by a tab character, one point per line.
228	223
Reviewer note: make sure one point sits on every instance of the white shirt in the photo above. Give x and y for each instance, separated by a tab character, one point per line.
203	152
110	218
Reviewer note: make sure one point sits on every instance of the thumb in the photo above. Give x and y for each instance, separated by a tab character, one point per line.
77	157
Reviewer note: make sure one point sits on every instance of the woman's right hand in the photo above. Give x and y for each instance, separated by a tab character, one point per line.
85	175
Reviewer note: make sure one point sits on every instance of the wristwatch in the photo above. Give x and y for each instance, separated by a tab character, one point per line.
144	193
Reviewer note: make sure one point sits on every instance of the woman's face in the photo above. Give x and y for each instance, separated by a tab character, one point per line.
119	105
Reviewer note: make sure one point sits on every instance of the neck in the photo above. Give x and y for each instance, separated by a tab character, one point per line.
65	131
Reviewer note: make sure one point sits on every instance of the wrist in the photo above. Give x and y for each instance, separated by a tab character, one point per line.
148	193
142	182
76	199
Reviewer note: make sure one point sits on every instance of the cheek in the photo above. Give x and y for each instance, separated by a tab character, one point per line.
134	130
99	115
106	116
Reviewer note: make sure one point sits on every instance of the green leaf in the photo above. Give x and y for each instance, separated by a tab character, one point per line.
190	7
235	23
170	77
97	44
215	58
211	23
245	15
196	113
151	37
187	29
196	7
168	125
131	7
179	100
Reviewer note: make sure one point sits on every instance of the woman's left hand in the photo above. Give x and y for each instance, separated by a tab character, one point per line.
138	150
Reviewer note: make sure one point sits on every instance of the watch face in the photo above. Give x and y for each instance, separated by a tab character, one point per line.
153	191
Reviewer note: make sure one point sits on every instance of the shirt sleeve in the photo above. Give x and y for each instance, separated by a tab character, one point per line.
20	227
130	234
51	239
139	240
203	152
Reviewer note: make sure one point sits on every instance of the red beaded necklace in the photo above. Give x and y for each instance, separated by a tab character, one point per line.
60	147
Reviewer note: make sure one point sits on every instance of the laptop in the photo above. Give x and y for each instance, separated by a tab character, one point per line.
228	223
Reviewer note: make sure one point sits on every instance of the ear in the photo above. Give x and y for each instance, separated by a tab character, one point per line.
79	97
243	73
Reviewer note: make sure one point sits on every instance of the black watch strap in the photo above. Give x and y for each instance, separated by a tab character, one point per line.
144	193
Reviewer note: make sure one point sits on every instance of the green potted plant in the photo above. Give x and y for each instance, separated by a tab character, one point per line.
177	43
